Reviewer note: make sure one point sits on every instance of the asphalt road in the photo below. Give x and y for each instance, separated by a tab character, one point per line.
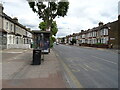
90	68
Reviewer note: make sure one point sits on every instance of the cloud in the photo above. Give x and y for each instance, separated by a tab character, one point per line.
61	34
119	8
21	10
82	14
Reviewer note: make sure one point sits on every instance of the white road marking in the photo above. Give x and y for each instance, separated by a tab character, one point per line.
89	67
83	67
75	70
105	60
71	75
14	52
57	55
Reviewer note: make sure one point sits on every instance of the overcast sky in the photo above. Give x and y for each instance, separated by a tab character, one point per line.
82	14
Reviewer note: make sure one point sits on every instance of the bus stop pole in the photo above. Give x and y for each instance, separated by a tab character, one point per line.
42	45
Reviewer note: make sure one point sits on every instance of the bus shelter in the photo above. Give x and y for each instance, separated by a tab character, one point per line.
41	40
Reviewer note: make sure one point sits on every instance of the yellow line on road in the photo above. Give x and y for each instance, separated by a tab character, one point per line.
71	75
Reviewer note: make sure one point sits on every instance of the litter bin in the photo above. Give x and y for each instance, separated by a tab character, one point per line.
36	57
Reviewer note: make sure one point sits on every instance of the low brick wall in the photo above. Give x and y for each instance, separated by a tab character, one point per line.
95	45
22	46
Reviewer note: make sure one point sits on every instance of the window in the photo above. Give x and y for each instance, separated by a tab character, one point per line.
13	39
11	27
17	40
101	32
16	29
24	40
106	31
106	40
6	25
95	41
10	38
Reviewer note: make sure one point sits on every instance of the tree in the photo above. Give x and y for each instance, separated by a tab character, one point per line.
73	41
52	40
48	12
63	40
54	28
43	26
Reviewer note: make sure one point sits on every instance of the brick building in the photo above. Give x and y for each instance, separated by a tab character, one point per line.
104	36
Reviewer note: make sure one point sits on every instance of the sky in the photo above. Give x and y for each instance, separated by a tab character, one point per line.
82	14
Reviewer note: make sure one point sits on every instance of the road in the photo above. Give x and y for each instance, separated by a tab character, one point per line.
89	67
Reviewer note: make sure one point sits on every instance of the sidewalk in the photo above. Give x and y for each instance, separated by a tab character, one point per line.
113	50
21	74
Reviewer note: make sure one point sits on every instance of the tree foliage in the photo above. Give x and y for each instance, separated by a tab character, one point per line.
73	41
48	12
52	40
54	28
43	26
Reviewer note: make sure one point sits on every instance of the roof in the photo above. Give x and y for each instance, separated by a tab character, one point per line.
38	32
17	23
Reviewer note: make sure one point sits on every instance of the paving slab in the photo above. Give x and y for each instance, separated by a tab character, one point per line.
17	71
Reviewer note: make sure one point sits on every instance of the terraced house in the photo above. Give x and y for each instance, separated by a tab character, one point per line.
103	36
12	33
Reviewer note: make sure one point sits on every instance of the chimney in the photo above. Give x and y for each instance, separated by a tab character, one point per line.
15	19
100	23
82	30
1	8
